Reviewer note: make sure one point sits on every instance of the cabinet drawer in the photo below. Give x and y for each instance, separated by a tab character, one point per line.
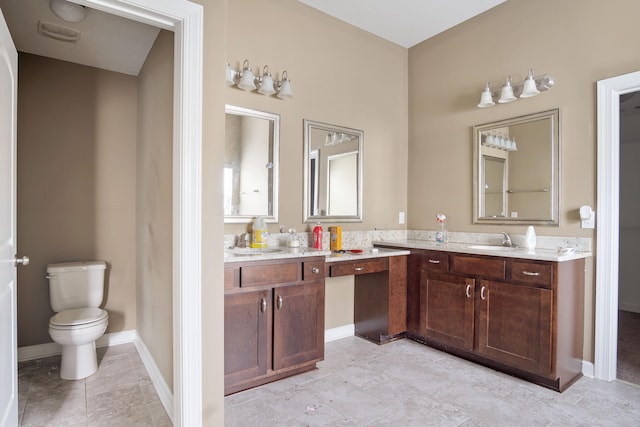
486	267
348	268
258	275
533	273
435	261
312	270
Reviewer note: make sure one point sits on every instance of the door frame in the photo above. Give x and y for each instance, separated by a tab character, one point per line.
185	20
607	231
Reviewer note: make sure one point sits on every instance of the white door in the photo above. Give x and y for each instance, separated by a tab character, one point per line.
8	343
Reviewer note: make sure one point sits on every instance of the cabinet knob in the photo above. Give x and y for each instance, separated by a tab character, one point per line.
434	261
315	270
279	302
468	291
263	305
482	293
359	269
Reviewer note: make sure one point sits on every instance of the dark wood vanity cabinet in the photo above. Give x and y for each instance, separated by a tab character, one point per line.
380	295
521	316
274	320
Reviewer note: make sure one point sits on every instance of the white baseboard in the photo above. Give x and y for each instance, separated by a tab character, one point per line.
39	351
588	369
162	388
634	308
339	332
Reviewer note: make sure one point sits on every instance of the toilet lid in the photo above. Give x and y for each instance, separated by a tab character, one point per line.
78	316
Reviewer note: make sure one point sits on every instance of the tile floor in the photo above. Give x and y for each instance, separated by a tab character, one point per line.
119	394
629	347
407	384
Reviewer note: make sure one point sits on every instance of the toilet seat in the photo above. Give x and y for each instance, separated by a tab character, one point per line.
78	317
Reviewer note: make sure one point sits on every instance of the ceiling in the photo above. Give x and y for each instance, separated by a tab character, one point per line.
117	44
403	22
105	41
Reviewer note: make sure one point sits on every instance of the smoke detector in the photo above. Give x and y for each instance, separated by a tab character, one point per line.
67	11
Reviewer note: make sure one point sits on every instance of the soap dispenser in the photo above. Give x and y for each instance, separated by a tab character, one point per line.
530	238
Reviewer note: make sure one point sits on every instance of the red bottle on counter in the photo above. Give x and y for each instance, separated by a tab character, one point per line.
317	236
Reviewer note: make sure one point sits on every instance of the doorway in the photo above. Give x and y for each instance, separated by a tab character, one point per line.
608	233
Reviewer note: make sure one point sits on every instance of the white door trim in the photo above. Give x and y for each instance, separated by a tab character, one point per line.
607	232
185	20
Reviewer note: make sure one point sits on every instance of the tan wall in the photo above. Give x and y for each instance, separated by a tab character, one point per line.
578	41
76	198
214	89
340	75
154	177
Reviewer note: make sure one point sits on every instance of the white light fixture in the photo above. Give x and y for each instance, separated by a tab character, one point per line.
335	138
67	11
499	141
506	93
486	100
510	92
266	84
529	88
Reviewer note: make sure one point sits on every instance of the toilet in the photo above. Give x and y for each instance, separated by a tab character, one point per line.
76	290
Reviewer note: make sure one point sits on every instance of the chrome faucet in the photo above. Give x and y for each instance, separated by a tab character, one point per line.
506	240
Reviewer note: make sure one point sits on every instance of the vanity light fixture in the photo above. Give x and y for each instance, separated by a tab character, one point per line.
499	141
510	92
335	138
266	85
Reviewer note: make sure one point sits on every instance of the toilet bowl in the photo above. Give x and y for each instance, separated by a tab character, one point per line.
76	330
76	290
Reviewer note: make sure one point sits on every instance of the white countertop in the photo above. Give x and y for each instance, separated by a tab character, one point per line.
280	252
541	254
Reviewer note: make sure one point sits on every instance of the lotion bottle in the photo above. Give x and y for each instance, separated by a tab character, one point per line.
530	238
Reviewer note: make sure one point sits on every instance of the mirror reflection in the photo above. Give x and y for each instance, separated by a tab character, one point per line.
251	165
332	173
516	170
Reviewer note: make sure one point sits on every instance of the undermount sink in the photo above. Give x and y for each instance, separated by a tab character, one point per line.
254	251
492	247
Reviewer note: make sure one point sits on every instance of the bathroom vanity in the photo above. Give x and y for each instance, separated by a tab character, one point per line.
516	311
274	319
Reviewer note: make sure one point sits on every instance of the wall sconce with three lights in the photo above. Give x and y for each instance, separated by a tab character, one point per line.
266	85
510	92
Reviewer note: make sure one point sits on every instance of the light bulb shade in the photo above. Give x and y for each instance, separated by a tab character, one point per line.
266	86
506	94
266	82
285	87
486	99
247	80
529	89
231	75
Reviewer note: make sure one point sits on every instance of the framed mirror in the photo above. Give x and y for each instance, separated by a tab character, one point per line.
516	170
252	140
332	173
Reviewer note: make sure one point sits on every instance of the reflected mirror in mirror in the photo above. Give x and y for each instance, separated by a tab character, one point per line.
251	165
517	170
332	173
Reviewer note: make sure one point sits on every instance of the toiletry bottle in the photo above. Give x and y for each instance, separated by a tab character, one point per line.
260	233
530	238
317	236
335	238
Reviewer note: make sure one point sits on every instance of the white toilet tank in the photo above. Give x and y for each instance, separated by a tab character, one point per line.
76	284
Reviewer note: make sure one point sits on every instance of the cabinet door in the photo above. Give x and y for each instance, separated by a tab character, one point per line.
447	308
298	324
246	319
515	325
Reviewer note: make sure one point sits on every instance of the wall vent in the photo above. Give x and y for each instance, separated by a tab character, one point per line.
58	32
